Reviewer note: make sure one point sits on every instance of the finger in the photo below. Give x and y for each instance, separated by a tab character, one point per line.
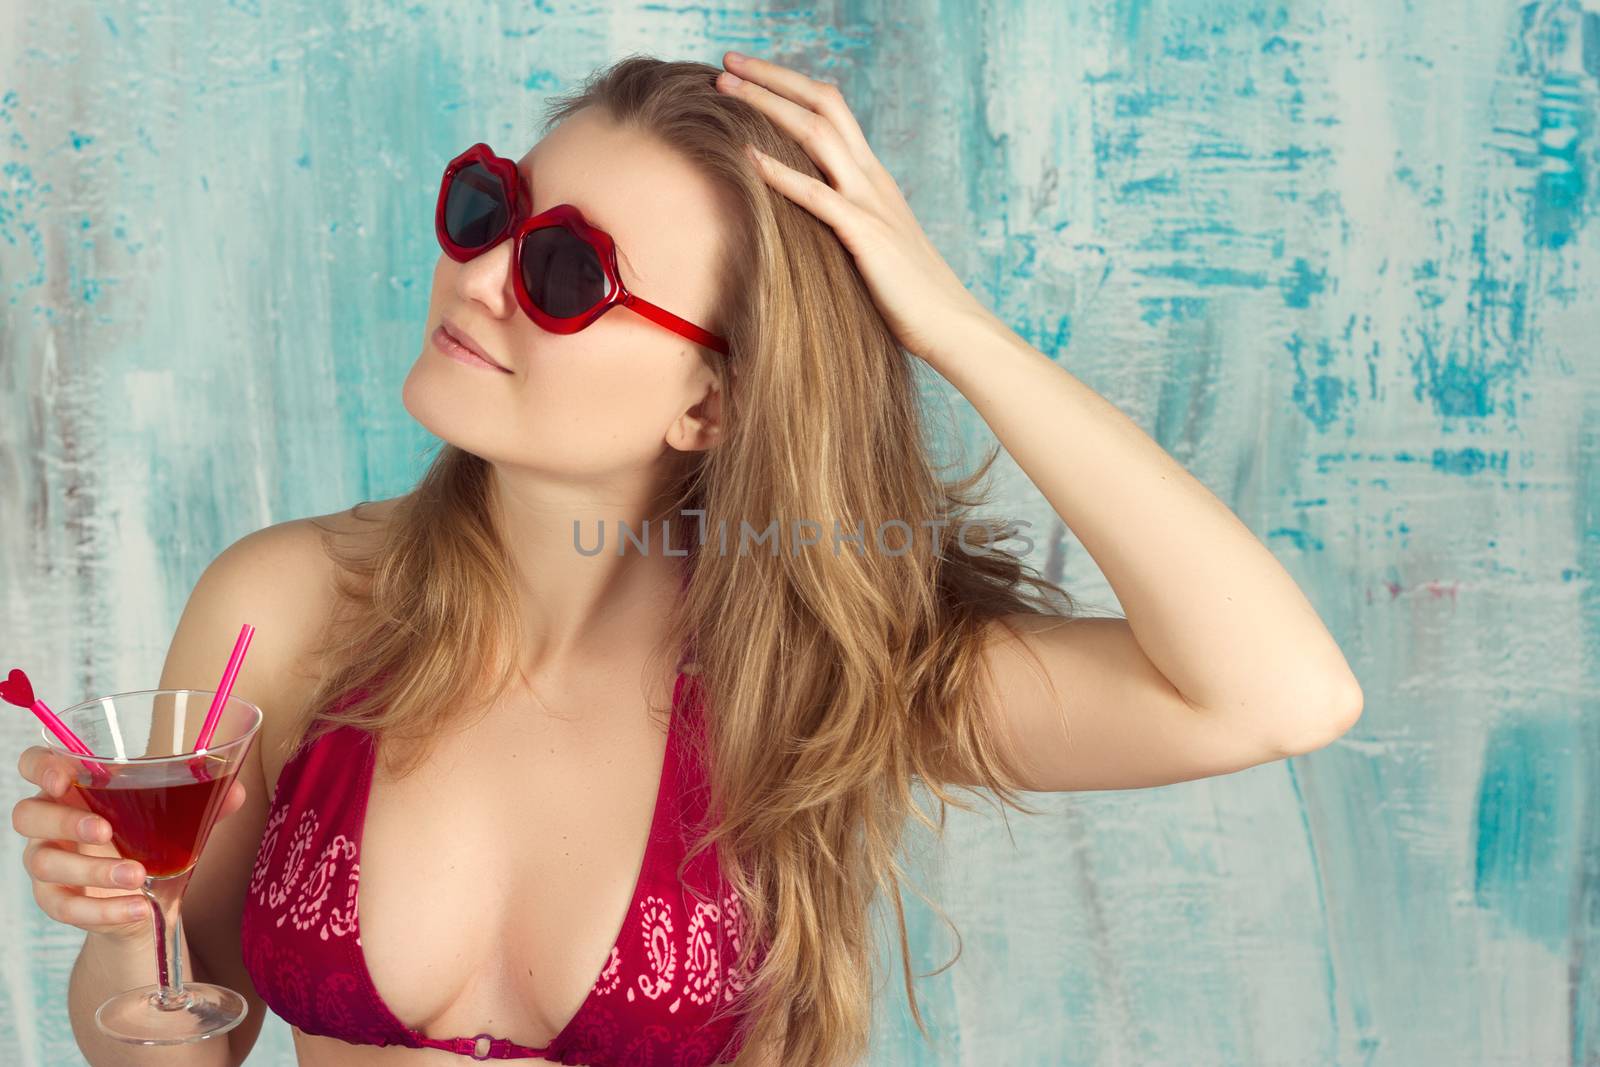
849	221
60	866
66	905
812	130
44	769
48	819
823	97
235	799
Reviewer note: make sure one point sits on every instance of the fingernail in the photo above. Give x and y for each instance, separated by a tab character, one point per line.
730	79
136	909
126	874
736	56
89	828
52	781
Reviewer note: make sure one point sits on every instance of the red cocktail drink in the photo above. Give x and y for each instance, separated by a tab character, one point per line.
145	775
162	825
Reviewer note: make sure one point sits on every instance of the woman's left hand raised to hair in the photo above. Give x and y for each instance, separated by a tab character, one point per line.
1143	517
919	296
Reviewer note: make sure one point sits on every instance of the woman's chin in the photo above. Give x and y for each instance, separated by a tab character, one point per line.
440	404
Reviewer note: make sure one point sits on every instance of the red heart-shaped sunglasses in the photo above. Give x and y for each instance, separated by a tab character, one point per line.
563	269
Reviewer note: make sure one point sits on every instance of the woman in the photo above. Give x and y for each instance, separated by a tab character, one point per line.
763	371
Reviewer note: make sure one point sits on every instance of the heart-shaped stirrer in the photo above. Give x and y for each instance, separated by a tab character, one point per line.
18	690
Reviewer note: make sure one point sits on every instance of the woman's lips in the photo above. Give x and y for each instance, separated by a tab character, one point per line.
462	350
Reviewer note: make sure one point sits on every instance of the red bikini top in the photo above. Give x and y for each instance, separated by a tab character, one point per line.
650	1003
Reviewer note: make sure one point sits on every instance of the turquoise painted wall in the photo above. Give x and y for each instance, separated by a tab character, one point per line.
1341	260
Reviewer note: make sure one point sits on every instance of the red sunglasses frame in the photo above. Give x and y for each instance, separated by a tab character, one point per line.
519	225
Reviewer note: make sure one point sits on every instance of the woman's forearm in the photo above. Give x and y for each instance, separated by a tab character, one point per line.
107	966
1211	606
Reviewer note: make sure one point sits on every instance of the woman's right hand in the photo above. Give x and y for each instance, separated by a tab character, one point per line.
69	855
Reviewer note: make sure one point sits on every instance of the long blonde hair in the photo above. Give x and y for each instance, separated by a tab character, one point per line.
833	678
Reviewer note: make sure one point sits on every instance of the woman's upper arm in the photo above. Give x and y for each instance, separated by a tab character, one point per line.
270	579
1101	716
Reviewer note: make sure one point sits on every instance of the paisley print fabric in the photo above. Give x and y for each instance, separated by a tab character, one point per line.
650	1002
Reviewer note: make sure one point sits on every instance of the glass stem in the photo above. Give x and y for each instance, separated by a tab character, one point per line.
166	900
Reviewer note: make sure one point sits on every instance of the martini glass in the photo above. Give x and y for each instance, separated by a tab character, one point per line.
161	796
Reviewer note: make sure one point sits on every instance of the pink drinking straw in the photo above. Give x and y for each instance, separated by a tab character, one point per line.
18	690
224	688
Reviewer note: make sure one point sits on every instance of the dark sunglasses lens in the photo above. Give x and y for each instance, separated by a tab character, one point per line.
475	208
561	272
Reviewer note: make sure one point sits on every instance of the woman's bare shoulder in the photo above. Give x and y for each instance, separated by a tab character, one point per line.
307	540
287	580
297	558
366	519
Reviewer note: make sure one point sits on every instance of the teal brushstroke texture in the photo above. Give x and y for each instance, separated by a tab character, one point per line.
1525	834
1341	260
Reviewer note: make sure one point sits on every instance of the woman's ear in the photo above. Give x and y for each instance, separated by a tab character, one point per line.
700	426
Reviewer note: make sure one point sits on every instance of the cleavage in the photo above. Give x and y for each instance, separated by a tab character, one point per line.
497	875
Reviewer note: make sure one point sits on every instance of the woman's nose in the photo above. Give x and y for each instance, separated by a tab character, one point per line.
486	278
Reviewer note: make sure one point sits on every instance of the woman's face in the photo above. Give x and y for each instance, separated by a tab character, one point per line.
620	394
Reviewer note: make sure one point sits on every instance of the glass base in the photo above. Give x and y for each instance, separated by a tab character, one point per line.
202	1010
